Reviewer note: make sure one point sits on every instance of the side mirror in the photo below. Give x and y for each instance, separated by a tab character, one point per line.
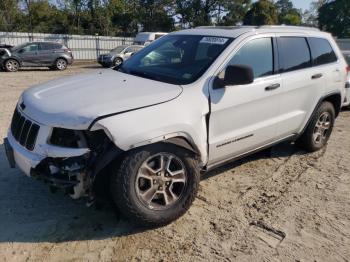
21	51
235	75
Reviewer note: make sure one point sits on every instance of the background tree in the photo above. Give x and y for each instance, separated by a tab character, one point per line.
287	13
334	17
262	12
235	11
153	15
10	15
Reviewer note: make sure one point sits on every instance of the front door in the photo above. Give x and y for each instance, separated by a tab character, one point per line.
30	55
244	117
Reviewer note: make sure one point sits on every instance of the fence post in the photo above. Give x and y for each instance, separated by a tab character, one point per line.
97	46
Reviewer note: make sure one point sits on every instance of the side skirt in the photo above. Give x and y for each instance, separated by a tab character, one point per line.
253	151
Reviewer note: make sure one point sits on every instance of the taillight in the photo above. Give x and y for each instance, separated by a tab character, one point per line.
348	69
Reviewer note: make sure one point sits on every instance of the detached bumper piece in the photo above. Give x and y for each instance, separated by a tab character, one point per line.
68	174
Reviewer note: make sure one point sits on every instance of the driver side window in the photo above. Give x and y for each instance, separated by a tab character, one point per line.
257	54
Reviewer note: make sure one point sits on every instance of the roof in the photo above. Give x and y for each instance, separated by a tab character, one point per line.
235	31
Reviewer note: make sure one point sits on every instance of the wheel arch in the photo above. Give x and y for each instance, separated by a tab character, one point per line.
13	58
334	98
61	57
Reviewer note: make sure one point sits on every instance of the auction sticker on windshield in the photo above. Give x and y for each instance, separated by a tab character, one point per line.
214	40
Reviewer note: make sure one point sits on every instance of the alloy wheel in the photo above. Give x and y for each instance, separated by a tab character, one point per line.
12	65
160	181
323	125
61	64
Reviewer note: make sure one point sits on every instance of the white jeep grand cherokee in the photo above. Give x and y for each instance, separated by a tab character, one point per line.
191	101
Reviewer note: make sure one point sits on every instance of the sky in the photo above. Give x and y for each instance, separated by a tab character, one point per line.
303	4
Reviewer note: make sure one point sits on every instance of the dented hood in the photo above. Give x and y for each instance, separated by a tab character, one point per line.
74	102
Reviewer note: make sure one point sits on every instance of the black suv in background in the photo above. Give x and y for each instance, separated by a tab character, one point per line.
51	54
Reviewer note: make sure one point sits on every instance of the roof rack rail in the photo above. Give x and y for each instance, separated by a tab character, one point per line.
289	27
226	27
259	27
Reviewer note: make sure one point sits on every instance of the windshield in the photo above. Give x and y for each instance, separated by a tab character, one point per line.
118	49
176	59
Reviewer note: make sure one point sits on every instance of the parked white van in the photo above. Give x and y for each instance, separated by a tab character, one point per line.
189	102
145	38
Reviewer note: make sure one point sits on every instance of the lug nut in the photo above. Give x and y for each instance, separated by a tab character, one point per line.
154	181
168	183
160	188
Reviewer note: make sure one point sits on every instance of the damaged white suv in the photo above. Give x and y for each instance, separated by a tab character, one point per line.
191	101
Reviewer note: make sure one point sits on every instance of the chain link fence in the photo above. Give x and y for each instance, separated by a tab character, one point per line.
84	47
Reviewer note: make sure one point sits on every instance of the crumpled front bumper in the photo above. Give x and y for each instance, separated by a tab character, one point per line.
27	160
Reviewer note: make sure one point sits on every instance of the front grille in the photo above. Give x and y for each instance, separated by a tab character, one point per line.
24	130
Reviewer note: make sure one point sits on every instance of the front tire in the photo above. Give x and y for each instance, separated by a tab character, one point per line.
155	185
118	61
319	129
11	65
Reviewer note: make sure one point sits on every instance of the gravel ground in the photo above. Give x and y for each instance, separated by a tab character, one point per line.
278	205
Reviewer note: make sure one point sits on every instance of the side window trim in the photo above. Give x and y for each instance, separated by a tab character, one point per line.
276	64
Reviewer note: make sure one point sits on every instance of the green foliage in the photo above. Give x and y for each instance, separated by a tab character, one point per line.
236	11
334	17
287	14
127	17
262	12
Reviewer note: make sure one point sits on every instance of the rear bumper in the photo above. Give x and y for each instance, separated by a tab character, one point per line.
70	60
347	95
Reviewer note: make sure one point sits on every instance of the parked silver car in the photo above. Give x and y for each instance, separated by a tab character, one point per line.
118	55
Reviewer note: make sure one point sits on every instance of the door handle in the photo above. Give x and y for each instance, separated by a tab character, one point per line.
272	87
316	76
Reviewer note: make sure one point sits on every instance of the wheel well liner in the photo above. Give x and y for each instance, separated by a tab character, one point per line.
61	57
335	99
182	142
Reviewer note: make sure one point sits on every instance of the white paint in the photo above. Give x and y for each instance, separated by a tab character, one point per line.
167	110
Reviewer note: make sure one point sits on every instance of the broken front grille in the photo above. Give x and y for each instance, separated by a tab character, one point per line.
24	130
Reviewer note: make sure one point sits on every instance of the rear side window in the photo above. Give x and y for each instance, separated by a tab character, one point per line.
294	53
50	46
322	52
257	54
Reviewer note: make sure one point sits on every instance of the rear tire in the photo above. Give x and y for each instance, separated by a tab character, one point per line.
61	64
11	65
148	192
319	129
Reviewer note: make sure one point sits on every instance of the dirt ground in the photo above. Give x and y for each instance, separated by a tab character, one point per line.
278	205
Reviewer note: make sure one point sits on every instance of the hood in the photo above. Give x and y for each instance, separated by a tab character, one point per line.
74	102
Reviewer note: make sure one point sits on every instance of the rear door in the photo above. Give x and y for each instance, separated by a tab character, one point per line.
49	52
244	117
325	60
303	83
